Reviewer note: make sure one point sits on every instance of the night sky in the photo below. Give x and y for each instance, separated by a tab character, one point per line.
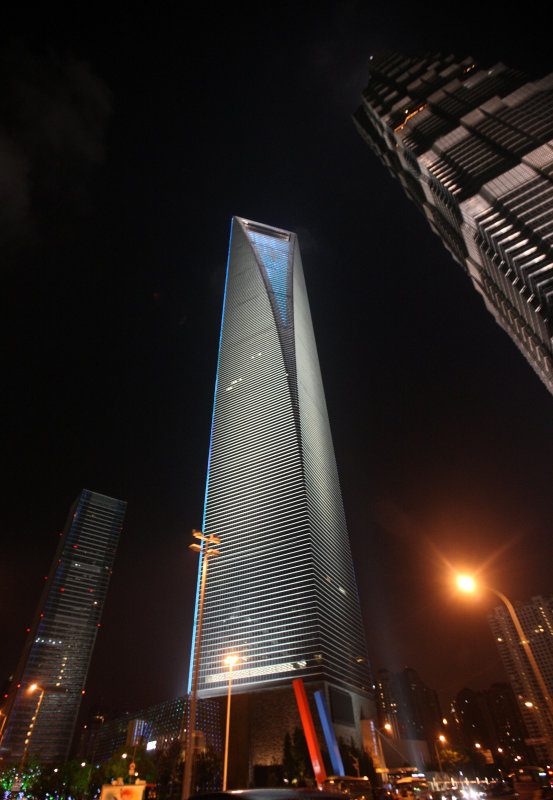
129	137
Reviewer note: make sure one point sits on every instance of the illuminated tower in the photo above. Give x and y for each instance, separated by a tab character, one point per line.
471	146
59	645
282	594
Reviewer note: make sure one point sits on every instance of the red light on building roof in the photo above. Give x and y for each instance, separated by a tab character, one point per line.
62	590
28	629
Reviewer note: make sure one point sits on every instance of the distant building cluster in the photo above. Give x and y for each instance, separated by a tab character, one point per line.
490	722
471	146
479	725
157	728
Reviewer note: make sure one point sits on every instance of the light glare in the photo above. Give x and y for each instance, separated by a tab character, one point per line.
466	583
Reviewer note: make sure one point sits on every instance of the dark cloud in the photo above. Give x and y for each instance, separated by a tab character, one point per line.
54	113
14	189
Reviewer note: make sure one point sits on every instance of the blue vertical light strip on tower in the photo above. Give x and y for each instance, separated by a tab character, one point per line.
273	253
198	584
330	736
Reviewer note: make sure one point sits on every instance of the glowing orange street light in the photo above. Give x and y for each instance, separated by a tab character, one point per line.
466	583
442	740
230	661
388	727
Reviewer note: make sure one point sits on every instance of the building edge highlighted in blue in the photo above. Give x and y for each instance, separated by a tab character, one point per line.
199	579
330	736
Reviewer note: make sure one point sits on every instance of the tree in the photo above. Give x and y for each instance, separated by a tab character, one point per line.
300	753
208	770
296	762
288	760
356	761
169	765
30	777
118	767
452	760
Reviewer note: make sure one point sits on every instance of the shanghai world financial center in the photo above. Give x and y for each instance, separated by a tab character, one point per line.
282	596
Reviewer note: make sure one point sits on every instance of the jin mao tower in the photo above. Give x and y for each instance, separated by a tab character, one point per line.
472	147
282	594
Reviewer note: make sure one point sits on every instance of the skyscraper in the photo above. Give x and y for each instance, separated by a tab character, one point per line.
409	714
472	148
59	645
536	620
508	723
282	595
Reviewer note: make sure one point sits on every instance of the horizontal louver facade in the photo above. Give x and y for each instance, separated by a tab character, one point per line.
282	593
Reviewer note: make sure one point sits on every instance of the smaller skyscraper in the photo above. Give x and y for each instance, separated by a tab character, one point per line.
59	646
536	620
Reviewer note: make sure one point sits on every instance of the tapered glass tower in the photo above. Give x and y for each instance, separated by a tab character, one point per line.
282	594
59	645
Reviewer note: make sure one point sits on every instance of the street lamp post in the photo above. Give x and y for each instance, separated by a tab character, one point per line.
31	688
467	584
441	739
205	550
230	661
